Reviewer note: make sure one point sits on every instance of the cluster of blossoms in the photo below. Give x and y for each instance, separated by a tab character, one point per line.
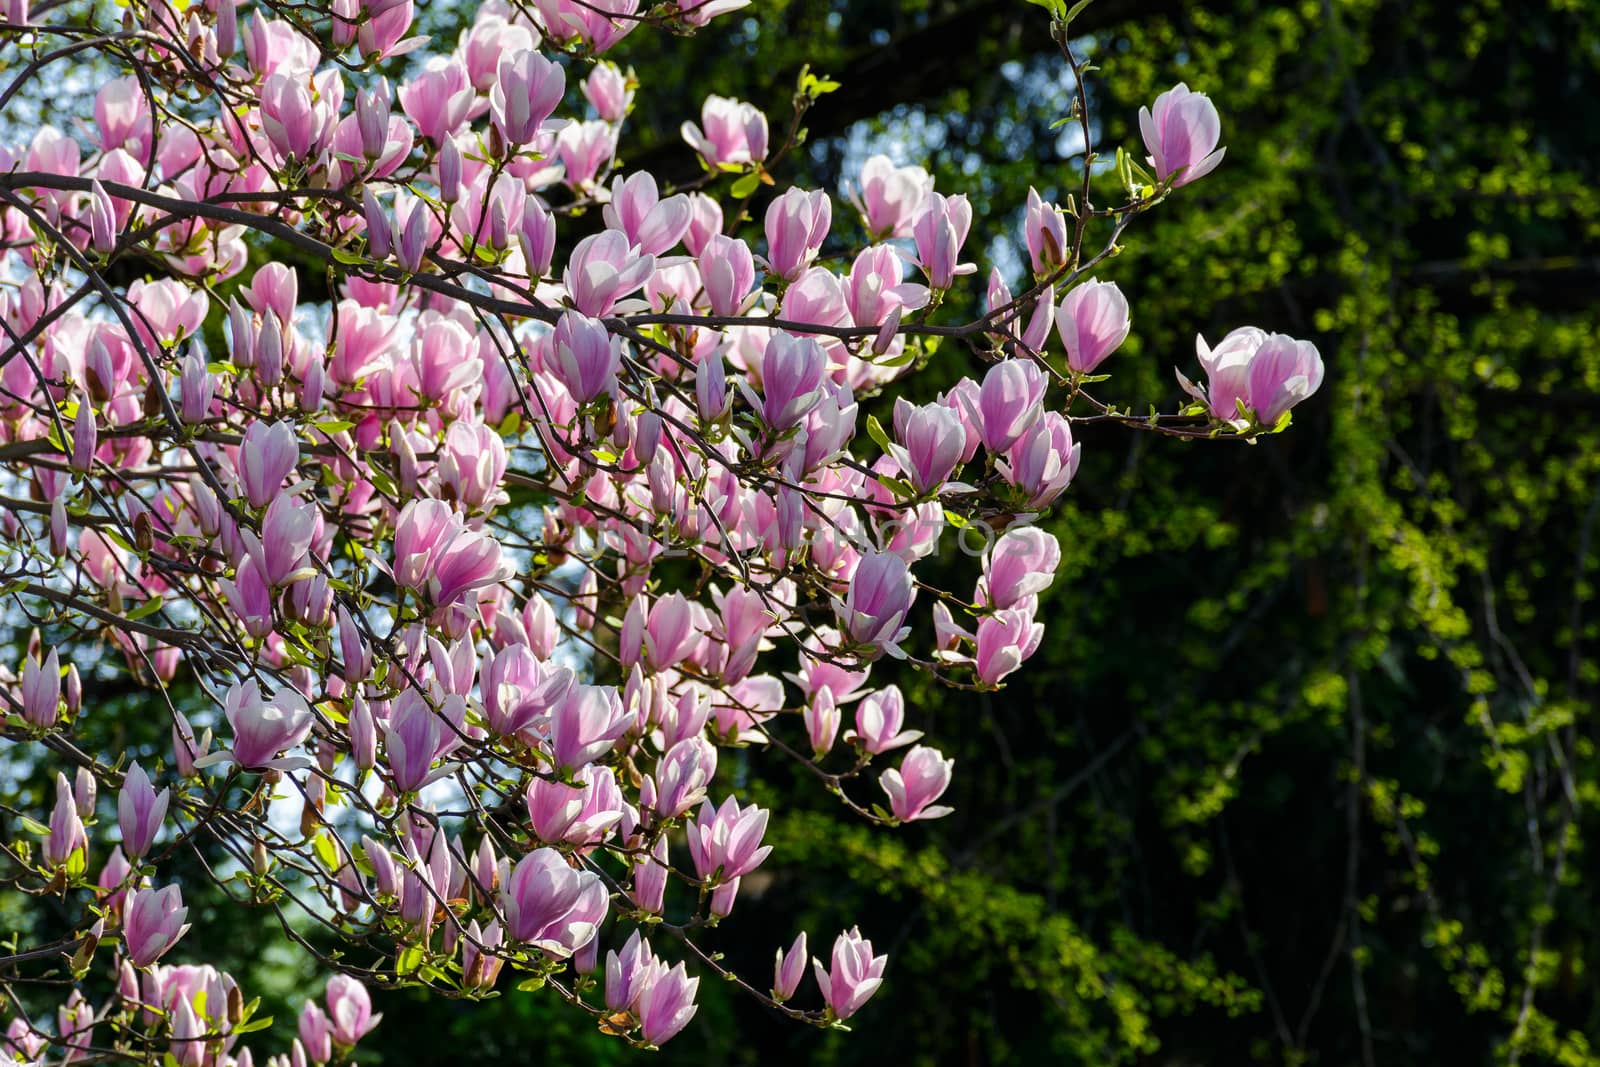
482	557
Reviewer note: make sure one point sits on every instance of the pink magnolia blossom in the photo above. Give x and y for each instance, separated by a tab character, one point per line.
683	774
879	718
822	720
876	289
1021	563
652	224
266	457
488	39
796	225
595	23
604	268
940	230
880	595
412	740
1093	323
792	371
316	1035
526	92
932	440
1007	404
1181	131
890	197
788	969
579	814
152	922
140	811
922	777
730	132
586	149
1004	640
41	689
705	220
1264	374
608	91
650	878
585	725
853	976
264	727
349	1010
666	1005
725	842
587	356
66	837
628	973
1043	461
383	32
122	117
549	905
1045	229
439	99
728	271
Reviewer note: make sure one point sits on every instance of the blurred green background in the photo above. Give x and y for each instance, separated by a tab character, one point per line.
1304	771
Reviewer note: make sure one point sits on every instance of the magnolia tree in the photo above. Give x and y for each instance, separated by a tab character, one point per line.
457	582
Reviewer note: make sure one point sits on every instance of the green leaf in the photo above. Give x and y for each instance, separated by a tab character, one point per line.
900	487
1072	12
149	607
117	539
528	985
875	431
409	960
327	855
383	484
349	259
333	426
253	1025
814	86
745	186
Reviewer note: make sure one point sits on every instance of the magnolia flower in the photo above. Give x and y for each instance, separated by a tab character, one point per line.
264	727
349	1010
1252	372
788	969
853	975
880	595
730	132
890	198
666	1005
1093	322
152	922
922	778
550	905
140	811
1181	131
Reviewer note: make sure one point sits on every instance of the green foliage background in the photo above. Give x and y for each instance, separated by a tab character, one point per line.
1305	770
